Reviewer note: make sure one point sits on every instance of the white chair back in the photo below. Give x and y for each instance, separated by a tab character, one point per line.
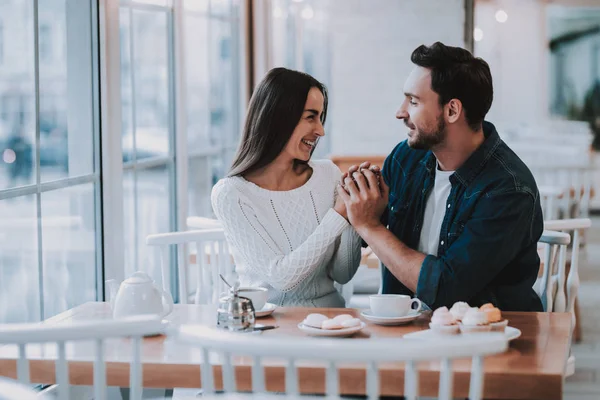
335	351
550	287
212	257
575	228
203	223
98	331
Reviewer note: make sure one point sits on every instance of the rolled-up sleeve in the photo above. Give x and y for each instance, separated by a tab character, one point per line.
499	228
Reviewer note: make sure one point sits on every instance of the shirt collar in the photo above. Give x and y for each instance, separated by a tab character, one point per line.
476	161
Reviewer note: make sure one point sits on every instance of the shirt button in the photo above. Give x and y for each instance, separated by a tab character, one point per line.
442	242
448	205
392	208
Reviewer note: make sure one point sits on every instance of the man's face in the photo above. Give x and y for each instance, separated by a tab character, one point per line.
421	111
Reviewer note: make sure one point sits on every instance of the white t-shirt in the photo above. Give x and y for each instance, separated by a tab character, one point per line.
435	210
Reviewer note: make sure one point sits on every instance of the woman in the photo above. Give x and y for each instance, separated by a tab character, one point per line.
279	210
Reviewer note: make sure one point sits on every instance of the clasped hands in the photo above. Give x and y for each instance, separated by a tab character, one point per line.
362	196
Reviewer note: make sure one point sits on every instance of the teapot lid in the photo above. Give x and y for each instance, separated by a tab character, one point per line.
139	277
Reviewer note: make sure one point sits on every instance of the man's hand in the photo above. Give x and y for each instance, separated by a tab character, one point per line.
365	197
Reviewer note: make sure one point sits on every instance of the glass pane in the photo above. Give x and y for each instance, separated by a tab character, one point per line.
153	216
17	99
196	5
19	276
146	211
200	186
126	84
151	84
198	83
163	3
222	83
129	216
68	247
66	117
220	7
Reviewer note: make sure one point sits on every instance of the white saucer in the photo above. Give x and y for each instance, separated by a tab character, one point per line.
267	309
390	320
510	333
331	332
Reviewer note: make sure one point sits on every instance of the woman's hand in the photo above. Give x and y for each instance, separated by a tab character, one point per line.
340	206
365	165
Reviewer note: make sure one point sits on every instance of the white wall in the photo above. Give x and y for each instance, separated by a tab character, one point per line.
517	52
371	42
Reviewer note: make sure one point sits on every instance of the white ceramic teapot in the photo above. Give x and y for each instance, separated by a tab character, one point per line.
138	295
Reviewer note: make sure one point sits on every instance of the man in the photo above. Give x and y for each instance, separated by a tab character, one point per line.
458	216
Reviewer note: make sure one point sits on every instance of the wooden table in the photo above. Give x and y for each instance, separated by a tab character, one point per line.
532	368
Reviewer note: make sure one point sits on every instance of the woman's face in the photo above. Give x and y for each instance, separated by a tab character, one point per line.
309	128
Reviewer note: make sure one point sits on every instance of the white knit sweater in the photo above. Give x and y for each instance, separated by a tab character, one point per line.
291	242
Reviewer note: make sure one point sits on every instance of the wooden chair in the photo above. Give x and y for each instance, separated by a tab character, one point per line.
332	352
59	336
212	255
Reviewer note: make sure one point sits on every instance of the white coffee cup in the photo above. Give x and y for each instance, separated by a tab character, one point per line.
393	305
258	295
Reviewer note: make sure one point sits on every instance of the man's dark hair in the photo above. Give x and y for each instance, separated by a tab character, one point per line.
456	74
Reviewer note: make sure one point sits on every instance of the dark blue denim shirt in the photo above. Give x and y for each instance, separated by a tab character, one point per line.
488	240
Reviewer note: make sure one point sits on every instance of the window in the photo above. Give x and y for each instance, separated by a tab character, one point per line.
148	131
50	245
1	43
45	43
214	75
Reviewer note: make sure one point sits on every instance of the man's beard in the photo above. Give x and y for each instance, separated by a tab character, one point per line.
427	139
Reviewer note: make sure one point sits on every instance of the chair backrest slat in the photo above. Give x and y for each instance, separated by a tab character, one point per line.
206	373
372	381
332	383
215	269
99	371
62	372
23	365
135	372
445	390
560	299
573	278
291	378
228	374
546	277
411	381
258	377
476	383
201	283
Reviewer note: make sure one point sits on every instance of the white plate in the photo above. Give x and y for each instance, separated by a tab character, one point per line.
510	333
331	332
267	309
390	320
